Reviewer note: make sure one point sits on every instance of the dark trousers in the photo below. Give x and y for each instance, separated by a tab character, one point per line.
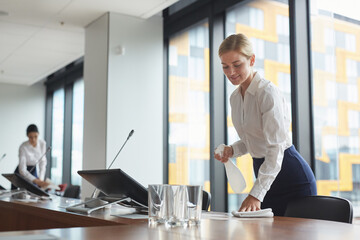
294	180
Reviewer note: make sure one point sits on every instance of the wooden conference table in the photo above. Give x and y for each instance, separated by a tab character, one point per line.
16	216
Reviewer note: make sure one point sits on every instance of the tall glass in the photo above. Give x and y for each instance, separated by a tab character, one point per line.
174	205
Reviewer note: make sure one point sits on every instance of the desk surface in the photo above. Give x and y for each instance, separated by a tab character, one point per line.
16	215
48	215
231	228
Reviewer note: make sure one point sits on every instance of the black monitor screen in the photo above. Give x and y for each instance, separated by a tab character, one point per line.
20	182
116	183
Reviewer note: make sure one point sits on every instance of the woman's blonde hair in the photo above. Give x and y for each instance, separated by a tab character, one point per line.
238	43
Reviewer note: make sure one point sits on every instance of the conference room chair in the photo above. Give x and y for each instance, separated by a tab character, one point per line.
206	200
321	207
72	191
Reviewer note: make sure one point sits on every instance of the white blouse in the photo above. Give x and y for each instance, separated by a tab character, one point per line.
262	121
29	155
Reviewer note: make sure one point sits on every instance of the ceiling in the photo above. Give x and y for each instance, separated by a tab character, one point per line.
38	37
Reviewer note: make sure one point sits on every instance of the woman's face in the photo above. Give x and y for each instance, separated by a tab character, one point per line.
33	137
237	67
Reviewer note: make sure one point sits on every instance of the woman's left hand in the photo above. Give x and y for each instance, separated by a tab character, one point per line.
250	204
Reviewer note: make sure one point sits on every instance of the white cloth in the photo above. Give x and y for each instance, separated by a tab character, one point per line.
29	155
267	212
262	121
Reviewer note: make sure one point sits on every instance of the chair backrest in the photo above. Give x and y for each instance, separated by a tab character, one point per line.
321	207
72	191
206	200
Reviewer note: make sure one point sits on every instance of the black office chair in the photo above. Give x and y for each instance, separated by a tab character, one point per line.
72	191
206	200
321	207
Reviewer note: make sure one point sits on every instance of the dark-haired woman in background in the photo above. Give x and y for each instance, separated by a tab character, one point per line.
31	167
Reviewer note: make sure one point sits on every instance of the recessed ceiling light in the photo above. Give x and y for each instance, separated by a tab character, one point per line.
3	13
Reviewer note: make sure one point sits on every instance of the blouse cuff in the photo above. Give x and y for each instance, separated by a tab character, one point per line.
31	178
258	192
239	148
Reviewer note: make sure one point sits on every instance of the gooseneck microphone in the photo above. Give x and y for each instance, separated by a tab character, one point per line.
47	150
130	134
3	156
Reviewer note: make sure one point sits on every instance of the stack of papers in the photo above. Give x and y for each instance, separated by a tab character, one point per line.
254	214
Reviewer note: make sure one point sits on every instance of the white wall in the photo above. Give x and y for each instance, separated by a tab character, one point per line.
124	92
135	97
19	107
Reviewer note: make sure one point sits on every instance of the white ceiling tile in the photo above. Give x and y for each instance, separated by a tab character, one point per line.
54	35
11	40
32	12
17	29
155	8
5	52
41	36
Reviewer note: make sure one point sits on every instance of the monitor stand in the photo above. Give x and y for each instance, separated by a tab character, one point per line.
19	194
93	204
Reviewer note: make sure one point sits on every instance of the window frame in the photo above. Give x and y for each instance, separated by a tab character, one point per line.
63	78
300	65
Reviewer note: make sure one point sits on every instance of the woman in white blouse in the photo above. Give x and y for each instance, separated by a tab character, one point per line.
262	121
32	161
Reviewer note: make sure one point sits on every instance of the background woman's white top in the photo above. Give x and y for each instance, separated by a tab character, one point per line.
262	121
29	155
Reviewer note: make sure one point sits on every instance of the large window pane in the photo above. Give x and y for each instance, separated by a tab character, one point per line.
335	46
266	23
57	136
77	132
189	136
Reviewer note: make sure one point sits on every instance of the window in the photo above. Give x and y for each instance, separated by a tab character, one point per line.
77	132
57	136
266	23
64	123
331	122
189	130
335	76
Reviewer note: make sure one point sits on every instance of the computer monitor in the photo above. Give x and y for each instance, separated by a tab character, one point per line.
116	183
20	182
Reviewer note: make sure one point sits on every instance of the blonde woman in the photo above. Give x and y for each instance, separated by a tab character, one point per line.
262	121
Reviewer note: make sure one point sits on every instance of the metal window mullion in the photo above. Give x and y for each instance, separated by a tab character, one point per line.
218	183
67	144
166	113
301	87
48	129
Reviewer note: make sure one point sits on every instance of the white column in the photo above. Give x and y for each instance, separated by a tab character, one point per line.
124	91
95	97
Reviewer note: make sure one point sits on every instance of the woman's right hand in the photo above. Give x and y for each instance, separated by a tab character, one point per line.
41	184
227	153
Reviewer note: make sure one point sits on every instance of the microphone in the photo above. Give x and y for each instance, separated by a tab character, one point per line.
3	156
129	136
47	150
